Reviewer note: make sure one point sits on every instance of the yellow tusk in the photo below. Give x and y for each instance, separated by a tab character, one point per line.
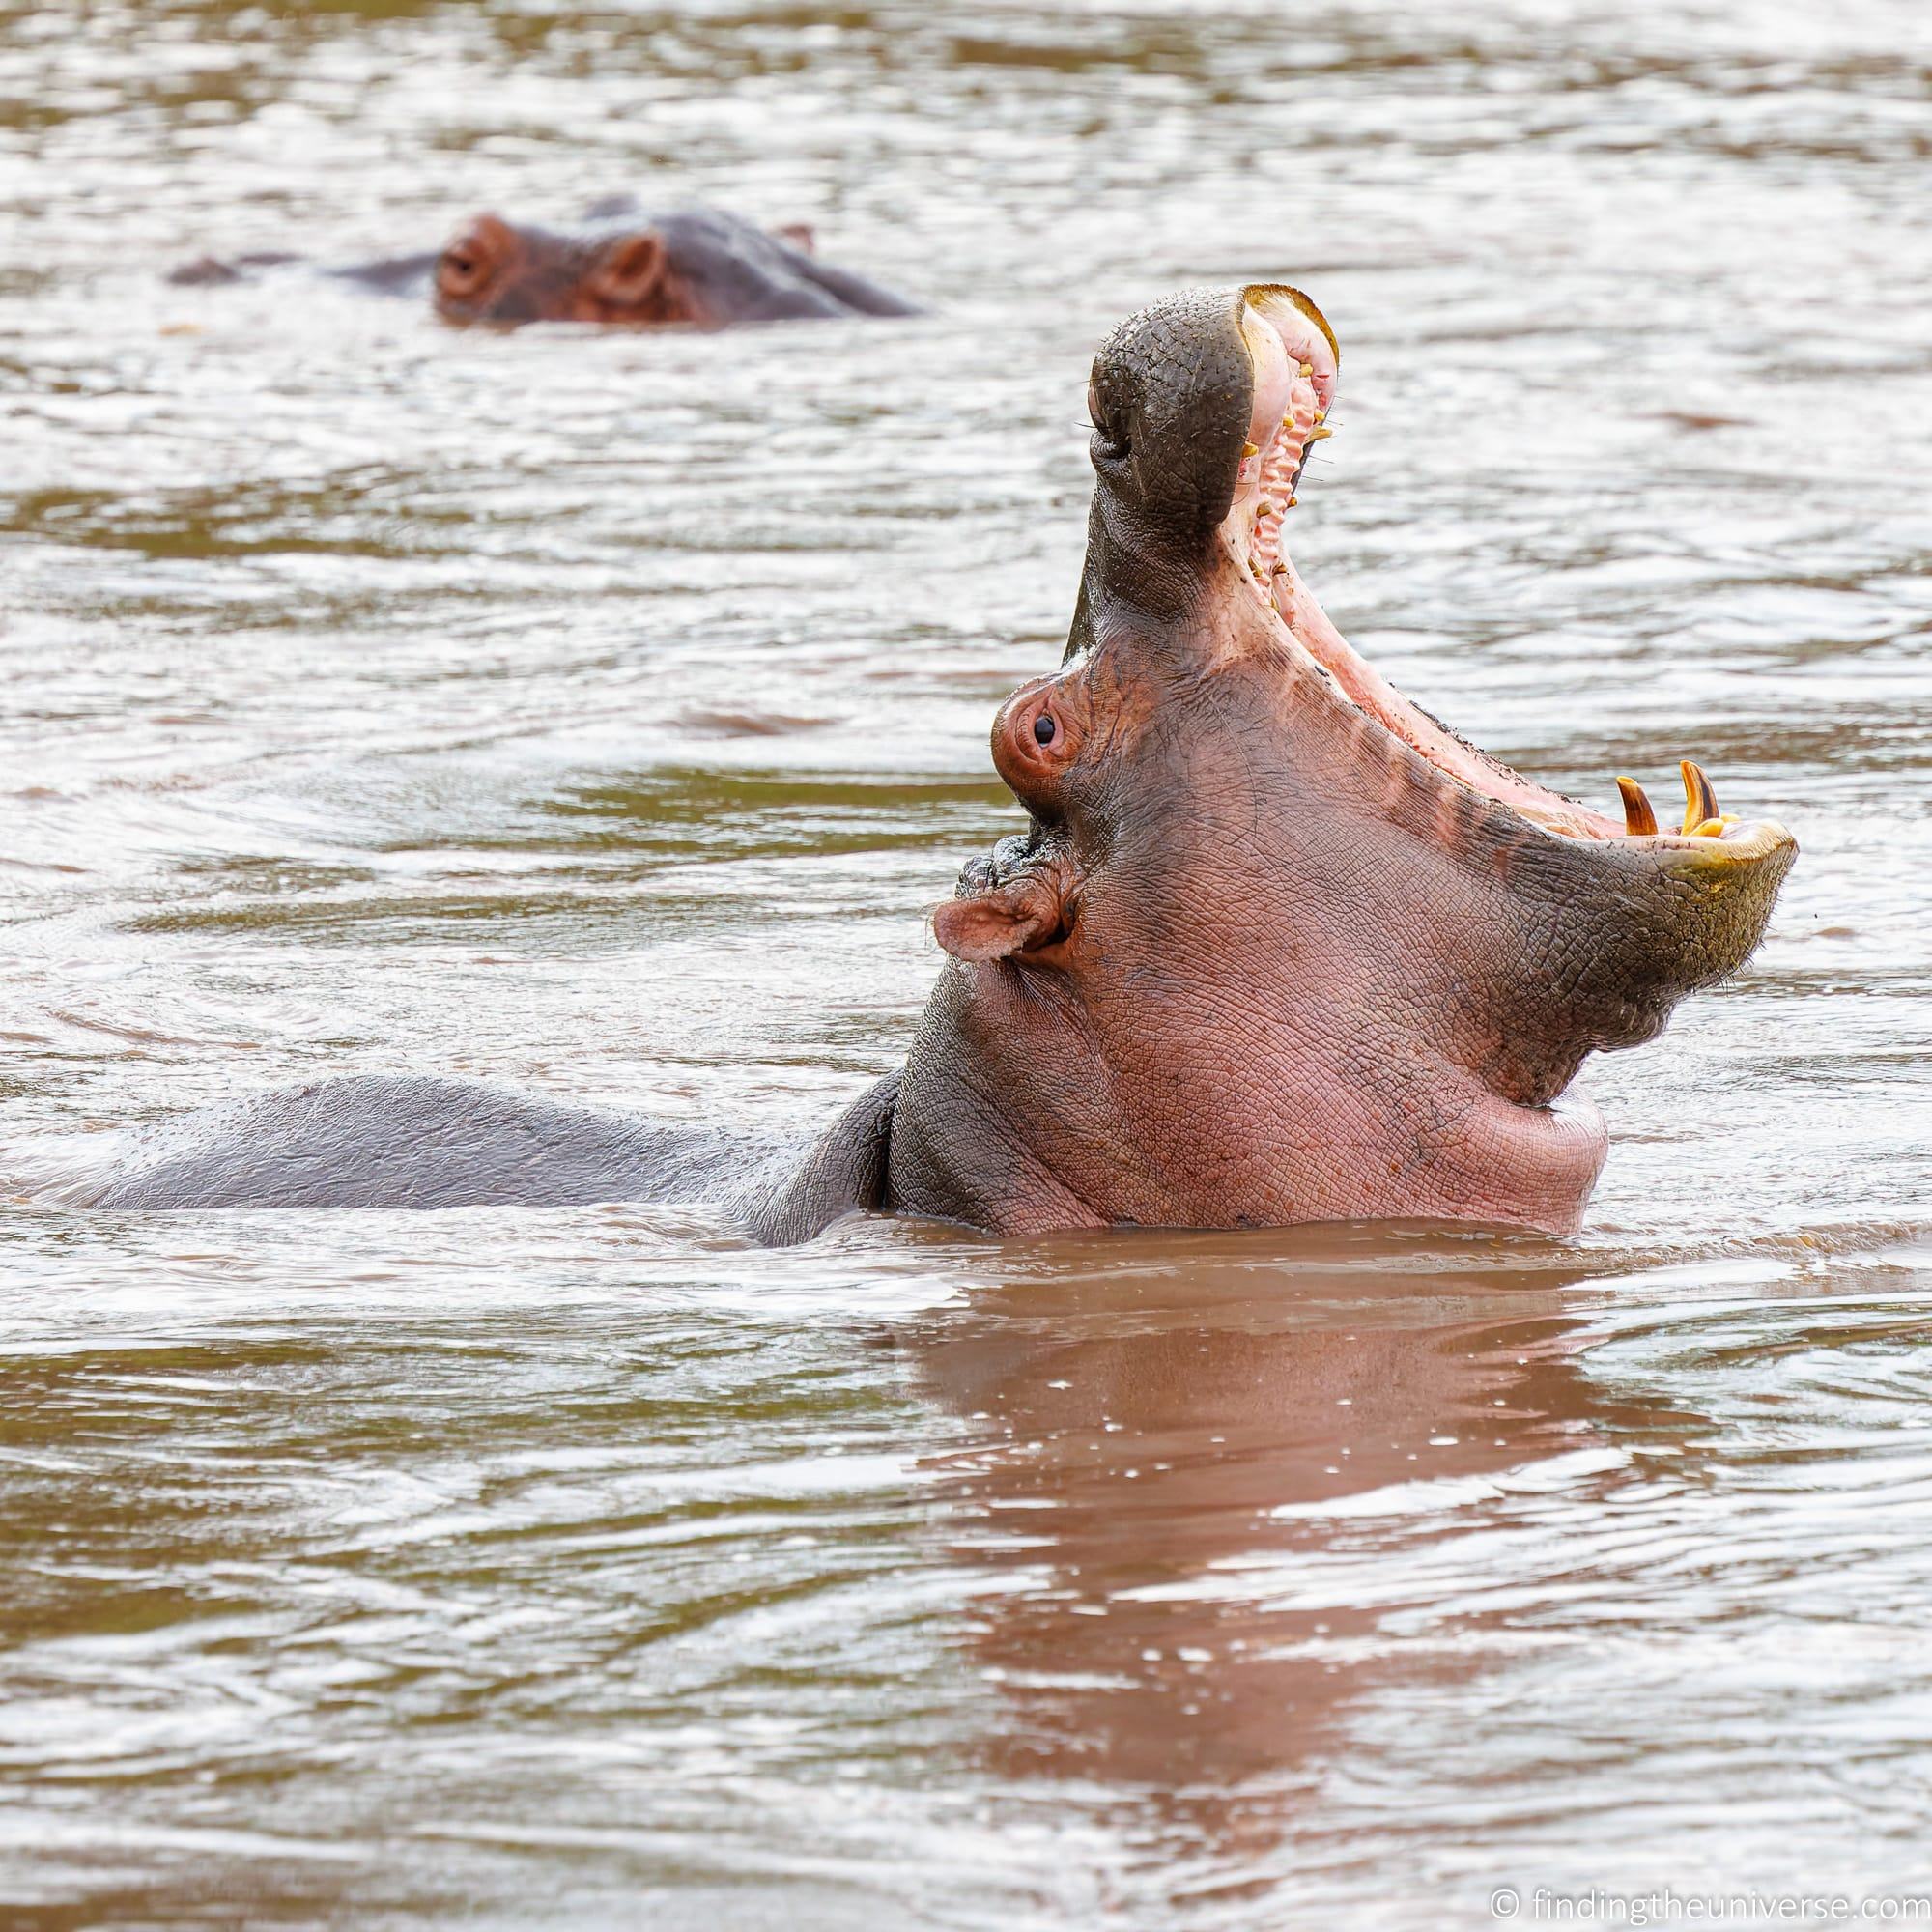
1700	802
1639	819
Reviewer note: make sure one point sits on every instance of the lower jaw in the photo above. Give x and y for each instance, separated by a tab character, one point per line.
1255	536
1288	606
1295	606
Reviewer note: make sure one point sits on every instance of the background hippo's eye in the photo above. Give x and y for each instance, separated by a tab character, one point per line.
1044	729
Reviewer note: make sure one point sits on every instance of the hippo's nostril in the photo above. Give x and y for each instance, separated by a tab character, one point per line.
1044	729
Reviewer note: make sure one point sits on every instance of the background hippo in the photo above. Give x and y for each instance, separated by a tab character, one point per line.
1277	947
696	266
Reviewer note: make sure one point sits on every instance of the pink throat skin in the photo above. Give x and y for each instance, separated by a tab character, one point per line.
1500	1165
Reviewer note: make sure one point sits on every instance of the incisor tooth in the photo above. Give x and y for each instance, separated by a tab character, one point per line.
1700	802
1639	820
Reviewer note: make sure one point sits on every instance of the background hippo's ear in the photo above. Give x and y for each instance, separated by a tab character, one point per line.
470	263
797	235
1030	912
629	268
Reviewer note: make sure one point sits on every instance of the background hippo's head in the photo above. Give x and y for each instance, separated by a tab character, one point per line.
495	270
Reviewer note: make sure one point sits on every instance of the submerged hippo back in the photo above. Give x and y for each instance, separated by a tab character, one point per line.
402	1141
407	1141
741	274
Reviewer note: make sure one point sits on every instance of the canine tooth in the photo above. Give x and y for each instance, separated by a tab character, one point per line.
1700	802
1639	820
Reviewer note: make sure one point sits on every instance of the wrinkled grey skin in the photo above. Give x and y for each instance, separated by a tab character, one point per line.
738	270
422	1143
1085	1060
929	1139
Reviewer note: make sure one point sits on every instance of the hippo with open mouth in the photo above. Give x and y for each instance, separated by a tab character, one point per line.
1276	946
698	267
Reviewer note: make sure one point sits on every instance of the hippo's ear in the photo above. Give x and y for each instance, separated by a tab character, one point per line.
629	269
797	235
1033	911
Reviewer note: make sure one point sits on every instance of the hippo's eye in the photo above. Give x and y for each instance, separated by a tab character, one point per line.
1044	729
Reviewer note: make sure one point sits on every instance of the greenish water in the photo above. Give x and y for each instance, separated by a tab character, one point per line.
600	715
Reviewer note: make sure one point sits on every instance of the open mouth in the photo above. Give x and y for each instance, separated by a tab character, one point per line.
1296	361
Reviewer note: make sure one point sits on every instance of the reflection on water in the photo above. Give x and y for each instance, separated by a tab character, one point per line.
1172	1633
1392	1561
602	713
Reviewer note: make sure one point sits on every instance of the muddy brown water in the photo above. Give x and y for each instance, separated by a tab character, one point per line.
600	714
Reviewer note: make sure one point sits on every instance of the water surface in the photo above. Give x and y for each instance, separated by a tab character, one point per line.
600	714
